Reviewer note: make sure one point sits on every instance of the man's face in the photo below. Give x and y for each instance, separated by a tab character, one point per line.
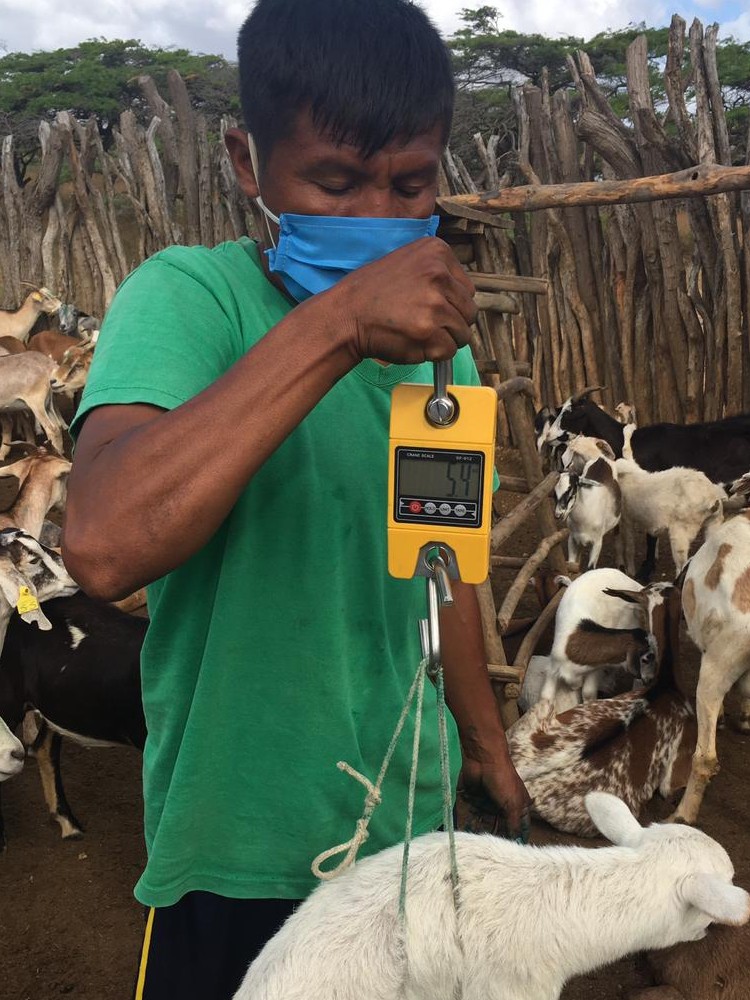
309	174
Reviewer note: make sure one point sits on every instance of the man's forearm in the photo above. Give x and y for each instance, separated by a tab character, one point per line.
468	690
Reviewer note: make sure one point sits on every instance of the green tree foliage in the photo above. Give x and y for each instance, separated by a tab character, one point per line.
98	78
488	61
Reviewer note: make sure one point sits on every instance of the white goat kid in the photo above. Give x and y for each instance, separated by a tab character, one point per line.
676	502
716	604
529	918
18	324
592	632
12	753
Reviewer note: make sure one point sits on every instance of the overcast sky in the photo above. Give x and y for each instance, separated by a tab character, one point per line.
211	25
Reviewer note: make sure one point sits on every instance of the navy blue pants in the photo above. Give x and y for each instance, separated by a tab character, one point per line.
200	948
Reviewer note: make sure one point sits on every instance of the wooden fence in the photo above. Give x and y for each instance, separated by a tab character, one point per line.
652	300
88	217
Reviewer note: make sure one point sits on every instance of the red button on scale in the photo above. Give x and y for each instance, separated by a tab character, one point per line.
415	507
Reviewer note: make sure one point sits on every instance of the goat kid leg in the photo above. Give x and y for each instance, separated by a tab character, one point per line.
590	687
713	685
574	552
743	722
648	565
47	749
596	551
6	433
679	543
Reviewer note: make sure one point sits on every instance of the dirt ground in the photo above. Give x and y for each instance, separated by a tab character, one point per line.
69	925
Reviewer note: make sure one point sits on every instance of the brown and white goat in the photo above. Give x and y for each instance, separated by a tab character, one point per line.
592	632
716	602
630	745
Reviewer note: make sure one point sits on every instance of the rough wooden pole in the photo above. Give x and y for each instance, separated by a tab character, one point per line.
517	588
697	181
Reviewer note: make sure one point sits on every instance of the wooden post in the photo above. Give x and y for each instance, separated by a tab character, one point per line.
697	181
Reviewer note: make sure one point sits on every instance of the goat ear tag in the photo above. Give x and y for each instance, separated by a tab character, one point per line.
26	602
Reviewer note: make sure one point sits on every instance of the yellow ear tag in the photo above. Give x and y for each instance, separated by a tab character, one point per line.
26	601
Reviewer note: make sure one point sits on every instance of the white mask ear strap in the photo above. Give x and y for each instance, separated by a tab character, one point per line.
259	200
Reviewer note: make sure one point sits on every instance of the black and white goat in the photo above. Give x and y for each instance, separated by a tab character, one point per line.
720	449
82	677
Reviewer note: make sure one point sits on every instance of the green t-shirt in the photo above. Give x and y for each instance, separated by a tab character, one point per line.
283	646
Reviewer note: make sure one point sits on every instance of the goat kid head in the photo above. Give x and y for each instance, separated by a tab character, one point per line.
580	449
660	604
704	896
45	302
29	568
567	488
73	370
12	753
42	467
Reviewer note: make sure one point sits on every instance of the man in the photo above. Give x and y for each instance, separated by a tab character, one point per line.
232	454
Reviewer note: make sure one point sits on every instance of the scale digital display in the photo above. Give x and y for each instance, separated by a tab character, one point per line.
439	486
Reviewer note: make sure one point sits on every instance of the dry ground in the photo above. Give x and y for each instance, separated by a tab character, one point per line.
69	925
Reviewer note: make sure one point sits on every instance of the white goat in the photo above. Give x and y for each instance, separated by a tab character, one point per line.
18	324
528	918
11	753
590	505
716	604
676	502
592	631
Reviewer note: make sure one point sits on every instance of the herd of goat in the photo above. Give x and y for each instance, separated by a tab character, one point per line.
51	674
603	710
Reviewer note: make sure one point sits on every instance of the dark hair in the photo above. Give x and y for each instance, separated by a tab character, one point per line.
370	71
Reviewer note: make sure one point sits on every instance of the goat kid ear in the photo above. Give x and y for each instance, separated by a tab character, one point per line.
605	449
631	596
613	819
723	902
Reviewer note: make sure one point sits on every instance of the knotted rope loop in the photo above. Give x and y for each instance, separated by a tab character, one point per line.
373	797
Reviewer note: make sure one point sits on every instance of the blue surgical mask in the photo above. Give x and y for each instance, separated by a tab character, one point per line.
316	251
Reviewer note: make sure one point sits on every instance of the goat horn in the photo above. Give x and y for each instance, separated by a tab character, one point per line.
586	392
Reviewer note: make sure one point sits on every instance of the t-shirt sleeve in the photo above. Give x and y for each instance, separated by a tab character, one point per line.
165	338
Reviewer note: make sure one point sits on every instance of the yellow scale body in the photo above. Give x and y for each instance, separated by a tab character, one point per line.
445	467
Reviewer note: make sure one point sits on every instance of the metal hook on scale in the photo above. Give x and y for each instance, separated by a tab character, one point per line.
441	412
